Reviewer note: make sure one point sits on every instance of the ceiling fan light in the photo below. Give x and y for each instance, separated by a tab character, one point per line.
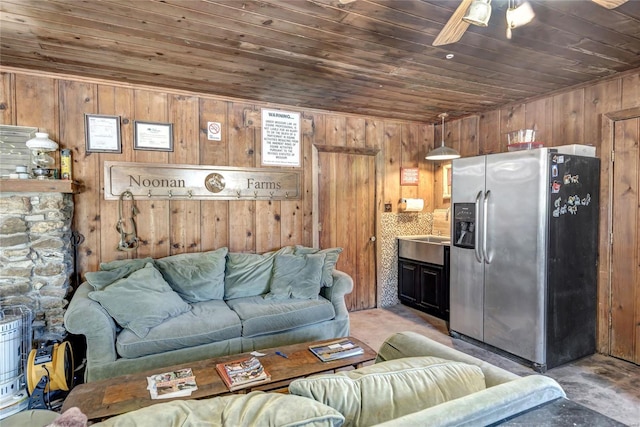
478	13
519	16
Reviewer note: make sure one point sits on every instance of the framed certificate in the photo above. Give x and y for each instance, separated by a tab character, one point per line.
102	133
153	136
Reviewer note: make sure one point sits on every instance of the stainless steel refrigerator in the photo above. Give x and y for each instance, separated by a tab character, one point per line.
524	254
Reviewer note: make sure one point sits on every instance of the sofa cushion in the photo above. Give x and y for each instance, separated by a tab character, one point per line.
206	322
389	390
134	263
249	275
264	316
141	300
195	276
330	261
296	276
252	409
115	270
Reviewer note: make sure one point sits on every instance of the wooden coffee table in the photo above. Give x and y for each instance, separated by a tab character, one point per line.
103	399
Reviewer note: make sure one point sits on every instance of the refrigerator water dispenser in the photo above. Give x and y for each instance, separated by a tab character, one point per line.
464	225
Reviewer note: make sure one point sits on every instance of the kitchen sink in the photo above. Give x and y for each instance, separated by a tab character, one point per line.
441	240
426	248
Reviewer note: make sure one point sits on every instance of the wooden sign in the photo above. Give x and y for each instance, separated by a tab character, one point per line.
162	181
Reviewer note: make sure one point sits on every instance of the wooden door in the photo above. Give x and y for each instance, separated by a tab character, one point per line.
625	246
347	217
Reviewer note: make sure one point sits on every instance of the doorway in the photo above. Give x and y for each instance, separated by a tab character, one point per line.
624	235
346	216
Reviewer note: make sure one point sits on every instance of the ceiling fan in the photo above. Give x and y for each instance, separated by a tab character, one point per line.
477	12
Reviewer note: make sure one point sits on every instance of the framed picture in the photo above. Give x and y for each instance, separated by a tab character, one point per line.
446	181
102	133
409	176
153	136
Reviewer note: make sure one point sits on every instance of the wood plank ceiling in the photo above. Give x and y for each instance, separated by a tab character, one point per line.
371	57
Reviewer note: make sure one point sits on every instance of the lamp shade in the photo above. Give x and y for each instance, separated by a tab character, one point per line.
478	13
42	142
519	16
442	153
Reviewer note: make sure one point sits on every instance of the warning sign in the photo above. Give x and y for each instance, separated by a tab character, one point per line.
214	131
280	138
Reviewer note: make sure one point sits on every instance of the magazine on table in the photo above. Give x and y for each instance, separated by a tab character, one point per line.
335	350
166	385
243	373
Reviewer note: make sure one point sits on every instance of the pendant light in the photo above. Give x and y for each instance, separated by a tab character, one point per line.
442	152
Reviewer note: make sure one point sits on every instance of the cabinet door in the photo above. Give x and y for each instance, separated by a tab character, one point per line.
407	280
431	287
445	285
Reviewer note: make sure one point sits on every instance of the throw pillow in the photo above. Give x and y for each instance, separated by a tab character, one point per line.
140	301
275	409
114	270
195	276
296	276
388	390
330	261
249	275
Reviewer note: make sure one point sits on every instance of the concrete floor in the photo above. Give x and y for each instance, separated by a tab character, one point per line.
605	384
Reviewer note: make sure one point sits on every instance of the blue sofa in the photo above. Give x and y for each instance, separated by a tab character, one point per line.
143	314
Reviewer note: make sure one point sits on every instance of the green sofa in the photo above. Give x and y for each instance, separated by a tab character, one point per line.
418	381
143	314
414	382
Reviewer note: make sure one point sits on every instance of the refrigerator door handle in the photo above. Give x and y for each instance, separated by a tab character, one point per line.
477	234
485	227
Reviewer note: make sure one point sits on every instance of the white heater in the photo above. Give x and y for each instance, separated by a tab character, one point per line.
15	345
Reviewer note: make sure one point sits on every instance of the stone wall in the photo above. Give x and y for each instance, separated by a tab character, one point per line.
393	225
36	256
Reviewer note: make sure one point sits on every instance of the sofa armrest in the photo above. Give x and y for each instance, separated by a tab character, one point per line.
488	406
87	317
342	285
410	344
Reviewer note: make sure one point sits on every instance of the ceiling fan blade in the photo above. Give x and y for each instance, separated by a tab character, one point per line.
610	4
455	26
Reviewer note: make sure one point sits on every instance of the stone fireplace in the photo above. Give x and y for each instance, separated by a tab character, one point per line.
36	251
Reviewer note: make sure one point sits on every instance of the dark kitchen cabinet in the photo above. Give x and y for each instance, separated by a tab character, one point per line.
425	286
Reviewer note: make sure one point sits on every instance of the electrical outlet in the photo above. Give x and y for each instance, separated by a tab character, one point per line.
387	207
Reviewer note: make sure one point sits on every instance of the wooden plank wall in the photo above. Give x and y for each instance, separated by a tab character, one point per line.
57	105
570	117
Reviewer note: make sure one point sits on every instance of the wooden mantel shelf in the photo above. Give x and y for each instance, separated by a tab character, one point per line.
39	186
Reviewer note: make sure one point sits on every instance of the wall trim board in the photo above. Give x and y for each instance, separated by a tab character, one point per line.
346	150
